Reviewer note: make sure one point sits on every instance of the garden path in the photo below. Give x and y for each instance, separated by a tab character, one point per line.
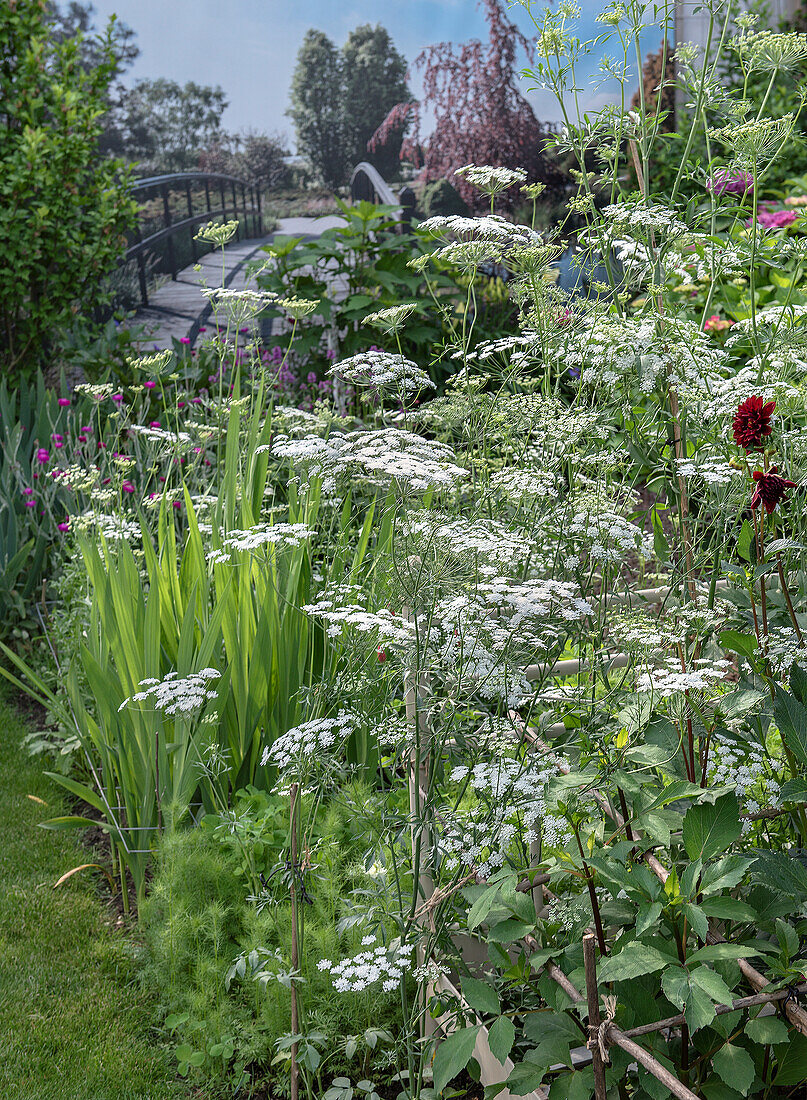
177	309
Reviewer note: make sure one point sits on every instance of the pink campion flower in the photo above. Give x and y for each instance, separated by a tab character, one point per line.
184	340
726	182
88	428
176	504
64	526
30	504
150	385
127	487
28	492
117	398
154	424
102	445
64	402
42	456
203	328
180	404
776	219
82	438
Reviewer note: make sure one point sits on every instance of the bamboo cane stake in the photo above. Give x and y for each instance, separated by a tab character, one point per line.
720	1010
593	998
295	1022
660	1072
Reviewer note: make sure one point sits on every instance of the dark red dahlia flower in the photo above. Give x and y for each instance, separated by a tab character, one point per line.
752	423
770	489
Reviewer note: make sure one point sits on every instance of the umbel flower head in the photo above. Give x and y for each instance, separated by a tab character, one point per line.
752	423
770	488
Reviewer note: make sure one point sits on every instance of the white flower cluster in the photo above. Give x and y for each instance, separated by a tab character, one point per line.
784	650
489	179
639	219
742	766
517	484
383	370
384	965
671	679
608	536
390	629
289	535
160	435
537	599
302	745
391	454
175	696
483	540
711	470
490	228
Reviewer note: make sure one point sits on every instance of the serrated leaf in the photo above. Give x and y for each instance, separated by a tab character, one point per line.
735	1066
481	907
711	828
767	1030
697	919
715	951
481	996
788	938
647	915
695	1003
501	1036
632	961
711	982
791	718
453	1055
509	930
525	1078
791	1063
782	873
724	874
726	908
794	790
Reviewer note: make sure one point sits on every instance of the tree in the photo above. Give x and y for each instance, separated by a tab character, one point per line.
316	107
63	210
163	125
481	116
250	155
373	81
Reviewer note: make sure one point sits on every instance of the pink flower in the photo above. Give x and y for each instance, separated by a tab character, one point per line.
127	487
776	219
87	429
27	492
30	504
150	385
203	328
154	424
180	404
64	402
42	456
118	397
184	340
82	438
65	526
102	445
176	504
715	323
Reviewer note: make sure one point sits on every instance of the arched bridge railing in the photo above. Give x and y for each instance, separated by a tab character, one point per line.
172	207
367	184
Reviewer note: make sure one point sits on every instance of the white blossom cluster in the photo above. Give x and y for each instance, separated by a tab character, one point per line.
743	768
484	540
537	599
784	650
289	535
489	227
391	454
160	435
711	470
176	696
640	219
725	394
384	965
113	528
384	371
308	742
389	628
671	679
489	179
517	484
607	535
512	806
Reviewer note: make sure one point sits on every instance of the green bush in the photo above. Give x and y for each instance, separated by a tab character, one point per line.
63	210
217	957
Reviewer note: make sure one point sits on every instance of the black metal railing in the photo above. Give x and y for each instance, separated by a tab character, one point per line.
218	196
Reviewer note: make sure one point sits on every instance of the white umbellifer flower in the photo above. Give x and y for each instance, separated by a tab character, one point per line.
239	305
518	484
671	680
78	479
535	599
607	535
173	696
390	320
390	629
742	766
642	218
390	454
490	227
491	180
154	363
304	745
484	539
160	435
382	965
713	471
297	308
217	233
287	535
383	370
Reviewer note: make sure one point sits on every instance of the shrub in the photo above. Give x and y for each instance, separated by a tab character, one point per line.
63	210
441	199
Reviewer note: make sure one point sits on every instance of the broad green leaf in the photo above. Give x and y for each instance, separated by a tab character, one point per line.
724	874
481	996
453	1055
509	930
632	961
791	718
788	938
697	919
735	1066
524	1078
767	1030
794	790
782	873
501	1037
791	1063
711	983
744	541
573	1086
715	951
726	908
646	916
690	998
710	829
744	644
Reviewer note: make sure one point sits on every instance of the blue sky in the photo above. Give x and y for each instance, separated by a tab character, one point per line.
249	47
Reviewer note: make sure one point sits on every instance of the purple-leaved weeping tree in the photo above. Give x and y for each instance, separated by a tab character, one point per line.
481	117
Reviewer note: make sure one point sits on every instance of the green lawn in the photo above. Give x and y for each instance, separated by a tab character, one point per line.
74	1024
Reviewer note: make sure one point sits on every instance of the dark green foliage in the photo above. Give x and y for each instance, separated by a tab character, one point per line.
217	960
62	209
373	81
316	108
441	199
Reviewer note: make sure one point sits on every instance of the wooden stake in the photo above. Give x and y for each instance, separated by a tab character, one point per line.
593	998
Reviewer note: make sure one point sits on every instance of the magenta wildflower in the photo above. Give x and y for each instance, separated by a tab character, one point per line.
42	456
64	402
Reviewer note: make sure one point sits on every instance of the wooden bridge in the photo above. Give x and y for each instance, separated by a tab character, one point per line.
172	209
